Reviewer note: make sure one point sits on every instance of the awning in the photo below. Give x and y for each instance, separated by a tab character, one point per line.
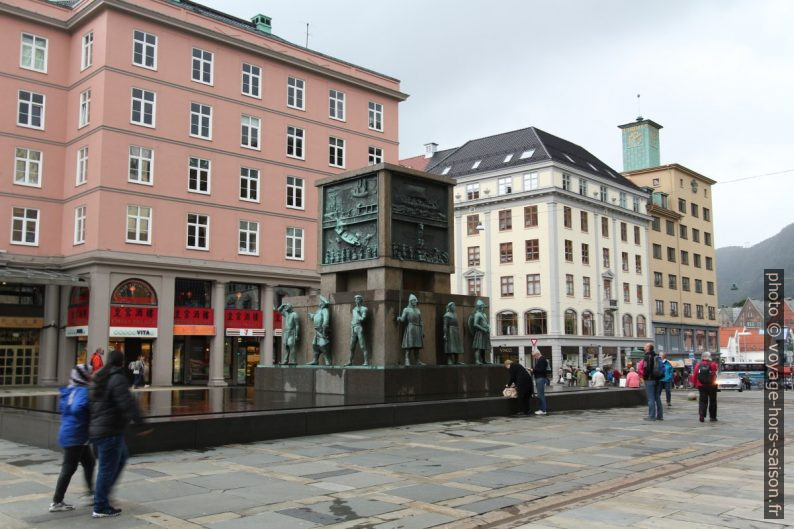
40	276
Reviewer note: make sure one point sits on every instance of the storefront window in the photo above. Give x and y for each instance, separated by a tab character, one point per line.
78	296
700	340
242	296
712	341
133	292
535	321
192	293
689	344
15	295
506	323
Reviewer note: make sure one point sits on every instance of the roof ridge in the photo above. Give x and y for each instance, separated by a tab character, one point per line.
540	141
451	151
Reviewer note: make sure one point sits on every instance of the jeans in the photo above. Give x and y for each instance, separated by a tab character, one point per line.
112	455
667	385
540	384
708	400
653	390
72	455
137	380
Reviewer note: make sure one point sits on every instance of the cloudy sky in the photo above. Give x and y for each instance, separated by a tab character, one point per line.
718	75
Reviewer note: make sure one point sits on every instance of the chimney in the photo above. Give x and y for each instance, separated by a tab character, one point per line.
263	23
430	149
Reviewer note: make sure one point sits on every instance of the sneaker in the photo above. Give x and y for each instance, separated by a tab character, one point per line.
713	420
702	419
107	513
60	507
540	412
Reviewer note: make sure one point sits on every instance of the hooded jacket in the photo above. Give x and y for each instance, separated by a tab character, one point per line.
112	403
74	416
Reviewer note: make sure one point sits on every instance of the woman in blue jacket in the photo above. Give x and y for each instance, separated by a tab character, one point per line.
73	435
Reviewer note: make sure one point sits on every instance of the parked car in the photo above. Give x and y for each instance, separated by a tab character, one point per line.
729	381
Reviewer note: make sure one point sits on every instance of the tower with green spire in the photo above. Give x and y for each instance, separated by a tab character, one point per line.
640	144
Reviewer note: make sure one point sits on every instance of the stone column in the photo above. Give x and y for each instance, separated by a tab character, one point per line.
619	359
556	358
48	347
99	312
266	352
162	362
581	356
600	356
66	346
216	349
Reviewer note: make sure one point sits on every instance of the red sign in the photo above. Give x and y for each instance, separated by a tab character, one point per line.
534	341
243	319
193	316
277	320
77	316
133	316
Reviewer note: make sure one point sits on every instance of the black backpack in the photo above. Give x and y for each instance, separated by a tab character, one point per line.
658	369
705	376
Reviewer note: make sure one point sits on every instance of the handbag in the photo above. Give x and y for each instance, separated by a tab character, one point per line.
510	393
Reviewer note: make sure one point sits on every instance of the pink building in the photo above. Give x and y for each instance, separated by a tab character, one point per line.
157	183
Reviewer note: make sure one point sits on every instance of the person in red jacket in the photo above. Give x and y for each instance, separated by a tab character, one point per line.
96	360
704	377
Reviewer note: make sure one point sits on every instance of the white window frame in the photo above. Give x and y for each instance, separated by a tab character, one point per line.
336	105
34	46
505	185
87	51
197	167
248	231
531	181
84	116
196	226
375	116
249	175
79	225
142	160
473	191
30	103
81	173
251	127
254	74
336	150
200	116
374	155
295	192
143	104
137	216
526	154
566	181
198	64
296	91
21	215
28	165
294	235
145	46
295	142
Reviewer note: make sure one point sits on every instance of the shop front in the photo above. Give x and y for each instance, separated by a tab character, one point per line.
193	330
77	324
21	322
244	330
133	322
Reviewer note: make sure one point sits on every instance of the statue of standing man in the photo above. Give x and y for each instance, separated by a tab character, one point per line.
414	331
453	345
357	330
321	321
478	326
291	329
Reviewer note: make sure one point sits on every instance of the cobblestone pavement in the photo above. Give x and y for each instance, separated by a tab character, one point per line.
592	469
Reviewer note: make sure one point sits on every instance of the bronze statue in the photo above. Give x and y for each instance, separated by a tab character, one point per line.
478	326
357	330
321	321
414	331
291	331
453	345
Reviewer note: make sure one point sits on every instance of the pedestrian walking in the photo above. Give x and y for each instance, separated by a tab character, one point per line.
540	371
652	374
667	381
522	381
96	360
137	366
73	436
704	377
581	379
632	378
677	380
112	408
598	379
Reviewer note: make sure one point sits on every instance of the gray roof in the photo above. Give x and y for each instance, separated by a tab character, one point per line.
39	276
493	150
758	304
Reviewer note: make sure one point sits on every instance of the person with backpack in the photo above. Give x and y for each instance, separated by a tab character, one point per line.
667	380
653	373
704	377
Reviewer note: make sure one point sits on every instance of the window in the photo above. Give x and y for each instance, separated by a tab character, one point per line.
79	225
624	233
472	223
294	192
33	53
144	49
506	185
376	116
446	170
532	249
604	227
139	220
476	164
143	107
295	142
583	186
585	254
535	321
82	166
530	181
641	327
706	238
570	321
473	286
336	152
249	184
694	208
655	182
658	279
85	108
709	263
624	261
685	284
530	216
506	323
25	226
375	155
699	311
695	235
628	325
687	310
252	80
682	231
30	109
602	193
586	287
508	158
27	167
588	327
583	221
202	66
201	121
336	105
639	294
696	259
635	204
249	237
87	52
660	307
472	191
657	251
249	132
671	254
710	288
607	288
533	284
569	284
656	224
141	163
474	255
622	196
684	257
698	286
295	93
670	225
706	214
506	252
566	181
682	206
569	251
609	324
527	154
505	220
566	216
605	255
672	281
198	178
638	264
506	285
294	243
198	227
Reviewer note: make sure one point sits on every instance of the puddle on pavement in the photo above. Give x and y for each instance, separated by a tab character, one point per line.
28	462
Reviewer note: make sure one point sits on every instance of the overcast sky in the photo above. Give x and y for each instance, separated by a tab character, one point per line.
718	75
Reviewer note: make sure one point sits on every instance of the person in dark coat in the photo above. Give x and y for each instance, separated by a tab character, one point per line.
522	381
112	409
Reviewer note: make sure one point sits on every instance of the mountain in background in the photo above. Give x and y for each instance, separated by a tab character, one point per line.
744	267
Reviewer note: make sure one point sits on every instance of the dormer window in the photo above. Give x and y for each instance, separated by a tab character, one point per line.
527	154
593	167
476	164
508	158
569	158
446	169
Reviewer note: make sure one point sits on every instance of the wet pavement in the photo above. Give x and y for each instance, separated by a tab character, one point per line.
593	469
